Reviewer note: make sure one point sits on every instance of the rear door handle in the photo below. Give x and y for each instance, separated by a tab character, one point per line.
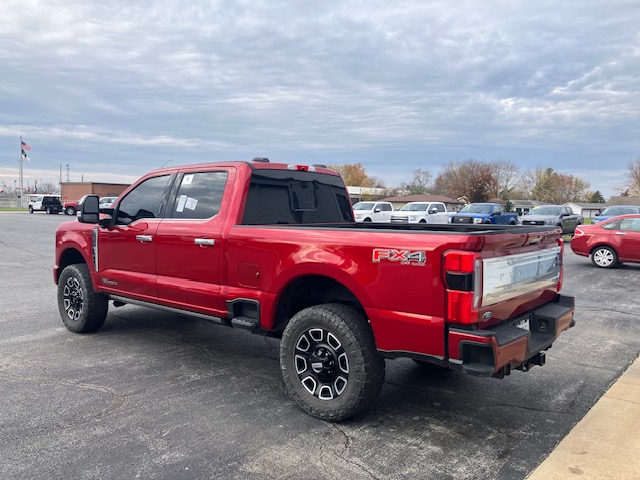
204	241
621	233
144	238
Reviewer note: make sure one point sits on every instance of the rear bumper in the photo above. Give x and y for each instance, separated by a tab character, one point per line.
495	351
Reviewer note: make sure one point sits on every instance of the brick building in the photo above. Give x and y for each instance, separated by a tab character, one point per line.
73	191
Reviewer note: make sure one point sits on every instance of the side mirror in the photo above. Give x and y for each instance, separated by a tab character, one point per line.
377	210
89	209
433	210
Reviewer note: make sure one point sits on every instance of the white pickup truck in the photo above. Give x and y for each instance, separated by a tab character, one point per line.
421	212
372	211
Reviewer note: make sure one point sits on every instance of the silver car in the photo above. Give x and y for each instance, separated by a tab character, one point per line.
558	215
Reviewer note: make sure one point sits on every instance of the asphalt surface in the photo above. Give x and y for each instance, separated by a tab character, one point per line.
158	396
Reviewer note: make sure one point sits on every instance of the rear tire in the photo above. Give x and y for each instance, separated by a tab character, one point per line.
82	310
30	209
604	257
48	210
329	362
70	211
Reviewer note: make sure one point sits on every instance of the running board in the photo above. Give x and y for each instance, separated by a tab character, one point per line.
119	301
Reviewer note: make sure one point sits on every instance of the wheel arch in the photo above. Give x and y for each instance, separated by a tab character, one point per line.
309	290
599	245
68	257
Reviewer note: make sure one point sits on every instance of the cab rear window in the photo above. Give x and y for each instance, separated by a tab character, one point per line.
288	196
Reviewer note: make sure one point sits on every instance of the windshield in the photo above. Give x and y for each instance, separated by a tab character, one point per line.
415	207
364	206
624	210
476	209
545	211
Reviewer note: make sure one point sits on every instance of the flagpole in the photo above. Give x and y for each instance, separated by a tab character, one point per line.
21	180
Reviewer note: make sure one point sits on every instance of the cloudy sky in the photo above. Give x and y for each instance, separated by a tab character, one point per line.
117	88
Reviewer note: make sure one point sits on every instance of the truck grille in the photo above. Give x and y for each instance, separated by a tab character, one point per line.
533	222
402	219
456	219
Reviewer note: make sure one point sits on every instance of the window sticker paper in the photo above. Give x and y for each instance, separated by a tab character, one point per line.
187	180
181	201
191	203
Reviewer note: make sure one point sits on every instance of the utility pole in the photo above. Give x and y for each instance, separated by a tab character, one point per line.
21	179
67	173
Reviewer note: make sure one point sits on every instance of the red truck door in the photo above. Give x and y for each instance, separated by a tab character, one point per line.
126	252
189	243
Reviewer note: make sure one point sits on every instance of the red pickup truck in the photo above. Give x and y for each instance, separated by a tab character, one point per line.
274	249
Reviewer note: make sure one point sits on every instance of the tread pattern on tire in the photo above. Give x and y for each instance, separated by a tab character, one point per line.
95	305
366	368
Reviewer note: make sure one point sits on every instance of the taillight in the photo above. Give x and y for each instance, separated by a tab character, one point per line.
578	232
462	278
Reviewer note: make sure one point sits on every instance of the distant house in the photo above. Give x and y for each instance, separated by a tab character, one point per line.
357	194
630	200
587	210
73	191
398	202
522	207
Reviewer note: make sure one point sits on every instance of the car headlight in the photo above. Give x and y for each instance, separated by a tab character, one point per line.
550	221
477	220
413	218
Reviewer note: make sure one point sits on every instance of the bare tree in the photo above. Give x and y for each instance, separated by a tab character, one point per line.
634	176
420	184
507	179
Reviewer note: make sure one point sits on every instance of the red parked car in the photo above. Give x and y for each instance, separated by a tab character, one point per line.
611	242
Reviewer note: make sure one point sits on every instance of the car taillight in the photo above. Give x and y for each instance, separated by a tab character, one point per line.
578	232
462	272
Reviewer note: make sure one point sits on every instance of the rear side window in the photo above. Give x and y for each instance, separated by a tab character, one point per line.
199	195
289	197
386	207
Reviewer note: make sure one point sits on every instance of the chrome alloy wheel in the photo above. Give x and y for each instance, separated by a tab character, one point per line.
321	364
73	298
603	257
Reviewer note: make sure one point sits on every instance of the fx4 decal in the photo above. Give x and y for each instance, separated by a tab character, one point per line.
405	257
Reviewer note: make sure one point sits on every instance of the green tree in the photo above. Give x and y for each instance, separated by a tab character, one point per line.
595	197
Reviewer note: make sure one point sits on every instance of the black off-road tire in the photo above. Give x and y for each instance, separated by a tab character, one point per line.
604	257
30	209
329	362
82	310
48	210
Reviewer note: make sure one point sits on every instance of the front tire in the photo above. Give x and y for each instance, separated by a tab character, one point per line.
30	209
82	310
329	362
604	257
69	211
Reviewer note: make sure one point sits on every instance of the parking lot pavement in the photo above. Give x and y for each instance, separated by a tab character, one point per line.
155	395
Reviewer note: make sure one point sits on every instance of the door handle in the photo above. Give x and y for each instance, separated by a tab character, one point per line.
621	233
204	241
144	238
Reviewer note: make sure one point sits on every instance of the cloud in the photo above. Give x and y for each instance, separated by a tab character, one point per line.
405	84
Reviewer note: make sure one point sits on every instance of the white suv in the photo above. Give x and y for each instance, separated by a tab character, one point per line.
372	211
421	212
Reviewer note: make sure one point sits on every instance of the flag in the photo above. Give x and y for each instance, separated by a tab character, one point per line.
25	147
24	155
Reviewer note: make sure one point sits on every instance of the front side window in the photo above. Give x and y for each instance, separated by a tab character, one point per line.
144	201
386	207
199	195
